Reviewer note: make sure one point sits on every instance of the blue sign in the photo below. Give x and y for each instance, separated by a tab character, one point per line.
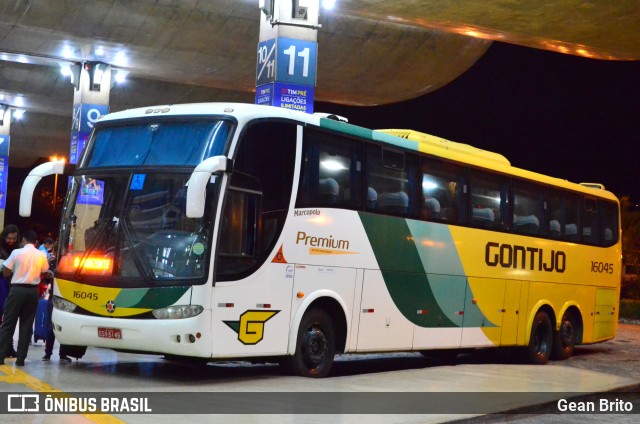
4	175
86	115
296	61
137	182
266	71
295	97
264	95
91	192
4	145
286	96
78	141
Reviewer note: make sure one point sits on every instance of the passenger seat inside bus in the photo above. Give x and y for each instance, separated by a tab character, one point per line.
328	191
482	217
554	228
372	198
526	224
396	203
432	208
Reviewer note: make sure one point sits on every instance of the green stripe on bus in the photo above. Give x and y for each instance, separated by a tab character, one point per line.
343	127
402	270
156	297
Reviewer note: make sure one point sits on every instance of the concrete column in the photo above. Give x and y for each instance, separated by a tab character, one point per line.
287	53
5	127
90	102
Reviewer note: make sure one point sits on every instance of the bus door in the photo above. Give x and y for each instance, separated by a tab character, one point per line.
252	297
253	289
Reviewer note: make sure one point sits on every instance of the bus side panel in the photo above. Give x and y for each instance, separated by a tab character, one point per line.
449	293
251	317
382	327
484	302
606	317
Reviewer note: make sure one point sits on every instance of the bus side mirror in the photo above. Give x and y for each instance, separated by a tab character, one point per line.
32	180
197	185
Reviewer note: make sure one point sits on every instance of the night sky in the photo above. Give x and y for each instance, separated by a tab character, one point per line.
556	114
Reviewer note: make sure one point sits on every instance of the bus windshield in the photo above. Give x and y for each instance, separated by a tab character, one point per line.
130	228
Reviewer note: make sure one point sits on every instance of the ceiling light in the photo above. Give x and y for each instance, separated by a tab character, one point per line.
328	4
121	76
18	113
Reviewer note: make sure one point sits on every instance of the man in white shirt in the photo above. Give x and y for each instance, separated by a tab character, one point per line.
27	266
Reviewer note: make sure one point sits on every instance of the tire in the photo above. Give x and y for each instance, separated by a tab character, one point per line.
315	346
564	340
541	340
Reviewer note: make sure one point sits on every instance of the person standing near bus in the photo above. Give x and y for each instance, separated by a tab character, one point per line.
27	265
8	243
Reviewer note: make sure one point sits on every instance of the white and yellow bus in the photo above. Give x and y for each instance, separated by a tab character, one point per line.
240	231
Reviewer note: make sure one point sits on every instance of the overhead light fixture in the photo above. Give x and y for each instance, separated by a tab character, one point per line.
67	53
121	76
328	4
72	71
99	51
18	114
19	101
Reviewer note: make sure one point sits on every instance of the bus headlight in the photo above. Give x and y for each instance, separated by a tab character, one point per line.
63	305
178	312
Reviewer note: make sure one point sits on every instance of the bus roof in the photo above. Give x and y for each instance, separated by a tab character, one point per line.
406	139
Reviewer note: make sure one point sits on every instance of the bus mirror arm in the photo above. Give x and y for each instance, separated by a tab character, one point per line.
32	180
196	188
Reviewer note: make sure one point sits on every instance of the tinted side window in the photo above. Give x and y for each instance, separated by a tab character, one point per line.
391	182
256	205
489	202
332	171
608	222
527	209
442	192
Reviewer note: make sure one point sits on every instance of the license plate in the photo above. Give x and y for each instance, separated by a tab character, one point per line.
109	333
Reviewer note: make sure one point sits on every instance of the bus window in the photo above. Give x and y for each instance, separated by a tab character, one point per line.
590	230
442	192
527	209
489	204
572	221
332	172
555	212
391	181
608	222
258	199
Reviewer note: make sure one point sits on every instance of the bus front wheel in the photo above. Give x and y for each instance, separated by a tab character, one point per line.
315	345
541	340
564	339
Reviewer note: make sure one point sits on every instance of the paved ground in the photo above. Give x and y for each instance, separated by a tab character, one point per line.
393	378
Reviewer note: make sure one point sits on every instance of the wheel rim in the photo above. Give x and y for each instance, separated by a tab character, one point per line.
567	333
315	347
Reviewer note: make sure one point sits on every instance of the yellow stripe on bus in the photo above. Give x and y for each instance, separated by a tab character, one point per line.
12	375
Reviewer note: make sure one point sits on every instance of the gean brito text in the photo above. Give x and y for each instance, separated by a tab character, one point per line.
522	257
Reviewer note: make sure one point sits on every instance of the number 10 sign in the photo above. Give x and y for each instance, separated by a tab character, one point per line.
295	61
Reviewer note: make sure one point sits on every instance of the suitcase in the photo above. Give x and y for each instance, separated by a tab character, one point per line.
73	351
42	323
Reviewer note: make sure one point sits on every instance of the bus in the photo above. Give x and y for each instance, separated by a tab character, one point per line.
236	231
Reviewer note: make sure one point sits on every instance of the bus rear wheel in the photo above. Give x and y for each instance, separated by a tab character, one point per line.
564	340
315	346
541	340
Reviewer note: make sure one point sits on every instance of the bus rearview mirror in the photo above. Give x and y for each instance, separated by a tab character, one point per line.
197	185
32	180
